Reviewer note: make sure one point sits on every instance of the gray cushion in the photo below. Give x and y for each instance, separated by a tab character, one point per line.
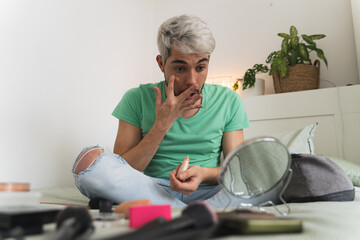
317	178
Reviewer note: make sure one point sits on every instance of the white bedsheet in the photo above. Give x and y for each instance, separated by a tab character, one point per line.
321	220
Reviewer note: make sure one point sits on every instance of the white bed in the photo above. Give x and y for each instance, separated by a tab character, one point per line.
337	112
321	220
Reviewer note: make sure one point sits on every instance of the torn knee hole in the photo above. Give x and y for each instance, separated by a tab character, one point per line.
87	158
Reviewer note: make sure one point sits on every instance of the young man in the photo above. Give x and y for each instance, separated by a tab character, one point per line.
162	123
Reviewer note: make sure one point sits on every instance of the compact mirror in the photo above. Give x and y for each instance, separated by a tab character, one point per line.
256	167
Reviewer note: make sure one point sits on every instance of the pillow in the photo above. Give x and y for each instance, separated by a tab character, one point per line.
300	140
317	178
351	169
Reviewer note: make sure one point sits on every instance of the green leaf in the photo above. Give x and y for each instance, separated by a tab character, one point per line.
321	55
274	65
249	79
285	47
284	35
317	36
308	40
260	68
311	47
294	42
292	59
272	71
271	57
293	31
303	52
279	65
283	67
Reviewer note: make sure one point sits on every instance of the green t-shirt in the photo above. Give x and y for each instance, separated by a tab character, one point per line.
199	136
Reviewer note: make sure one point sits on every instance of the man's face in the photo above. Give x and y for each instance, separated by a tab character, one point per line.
188	69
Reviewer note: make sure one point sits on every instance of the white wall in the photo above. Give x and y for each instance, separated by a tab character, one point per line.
246	33
64	67
355	6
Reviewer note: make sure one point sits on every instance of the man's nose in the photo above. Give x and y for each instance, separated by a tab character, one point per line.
191	78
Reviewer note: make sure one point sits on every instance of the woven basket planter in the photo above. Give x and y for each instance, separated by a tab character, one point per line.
301	77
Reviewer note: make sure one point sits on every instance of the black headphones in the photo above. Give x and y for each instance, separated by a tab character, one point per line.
73	223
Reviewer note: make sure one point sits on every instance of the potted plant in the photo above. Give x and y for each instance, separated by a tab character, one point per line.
248	81
291	66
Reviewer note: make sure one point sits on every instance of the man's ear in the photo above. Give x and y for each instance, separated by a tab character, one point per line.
160	62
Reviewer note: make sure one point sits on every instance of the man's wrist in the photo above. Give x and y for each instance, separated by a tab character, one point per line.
211	175
161	127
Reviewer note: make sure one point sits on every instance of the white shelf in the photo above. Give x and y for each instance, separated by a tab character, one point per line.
337	110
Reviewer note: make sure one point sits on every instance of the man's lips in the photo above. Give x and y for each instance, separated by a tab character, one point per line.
193	94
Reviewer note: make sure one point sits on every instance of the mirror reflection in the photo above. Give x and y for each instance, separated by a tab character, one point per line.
255	167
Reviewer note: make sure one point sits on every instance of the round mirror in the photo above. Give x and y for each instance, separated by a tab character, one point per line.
255	167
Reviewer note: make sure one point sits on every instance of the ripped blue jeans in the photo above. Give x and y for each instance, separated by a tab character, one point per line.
111	177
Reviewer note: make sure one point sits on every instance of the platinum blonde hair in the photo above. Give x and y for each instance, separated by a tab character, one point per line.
188	34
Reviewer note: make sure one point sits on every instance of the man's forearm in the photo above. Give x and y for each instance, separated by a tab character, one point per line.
140	156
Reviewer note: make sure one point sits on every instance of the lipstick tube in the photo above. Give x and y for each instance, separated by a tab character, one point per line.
184	166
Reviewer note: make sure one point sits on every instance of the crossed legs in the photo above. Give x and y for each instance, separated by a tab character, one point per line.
99	173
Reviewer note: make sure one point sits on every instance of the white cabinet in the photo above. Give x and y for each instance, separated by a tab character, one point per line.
337	110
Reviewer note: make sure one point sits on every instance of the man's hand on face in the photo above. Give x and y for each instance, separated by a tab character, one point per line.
167	112
188	180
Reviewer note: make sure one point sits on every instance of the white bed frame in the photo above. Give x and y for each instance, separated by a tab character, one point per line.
337	110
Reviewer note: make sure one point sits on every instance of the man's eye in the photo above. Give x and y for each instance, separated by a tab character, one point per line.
179	69
200	68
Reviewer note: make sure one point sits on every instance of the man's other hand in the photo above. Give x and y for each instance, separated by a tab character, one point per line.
188	180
